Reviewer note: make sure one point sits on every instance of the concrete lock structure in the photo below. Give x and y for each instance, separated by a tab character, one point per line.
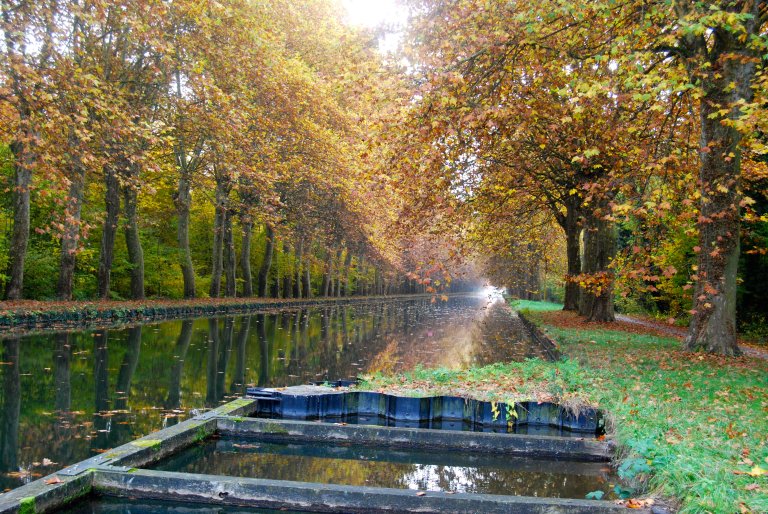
122	472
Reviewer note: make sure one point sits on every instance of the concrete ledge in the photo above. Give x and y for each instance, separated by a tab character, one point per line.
39	496
419	438
217	490
319	402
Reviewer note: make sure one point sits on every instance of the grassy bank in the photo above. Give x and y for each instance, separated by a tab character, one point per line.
691	427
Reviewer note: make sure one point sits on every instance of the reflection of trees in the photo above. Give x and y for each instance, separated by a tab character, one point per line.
225	351
219	351
369	466
128	367
211	395
122	421
238	381
101	423
11	405
61	376
179	356
62	402
261	329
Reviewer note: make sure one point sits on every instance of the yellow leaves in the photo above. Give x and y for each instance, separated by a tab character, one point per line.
592	152
756	471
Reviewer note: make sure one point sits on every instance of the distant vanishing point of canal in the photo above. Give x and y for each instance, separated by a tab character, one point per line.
67	395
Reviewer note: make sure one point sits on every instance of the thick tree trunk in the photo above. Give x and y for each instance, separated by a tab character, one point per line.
266	264
22	172
133	242
713	325
71	236
599	251
111	218
183	204
573	254
245	257
297	289
230	265
288	272
731	57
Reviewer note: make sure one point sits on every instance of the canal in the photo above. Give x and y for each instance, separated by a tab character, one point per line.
65	396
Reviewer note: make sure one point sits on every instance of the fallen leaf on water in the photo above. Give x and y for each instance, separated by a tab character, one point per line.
421	493
245	446
54	480
48	462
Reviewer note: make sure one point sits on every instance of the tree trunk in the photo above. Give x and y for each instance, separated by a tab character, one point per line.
307	275
71	236
573	254
266	264
183	204
287	277
731	57
218	239
347	266
22	172
111	217
599	251
245	257
133	241
230	266
299	255
326	284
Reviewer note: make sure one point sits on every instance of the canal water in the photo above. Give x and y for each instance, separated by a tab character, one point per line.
65	396
352	465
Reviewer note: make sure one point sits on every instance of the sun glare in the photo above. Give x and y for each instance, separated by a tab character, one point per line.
373	13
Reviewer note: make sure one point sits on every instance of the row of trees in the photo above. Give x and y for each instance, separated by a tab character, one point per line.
600	126
150	142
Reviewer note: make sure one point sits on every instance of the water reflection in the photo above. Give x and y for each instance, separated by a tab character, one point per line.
379	467
68	395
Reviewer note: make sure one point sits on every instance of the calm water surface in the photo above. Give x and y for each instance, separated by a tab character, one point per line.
65	396
383	467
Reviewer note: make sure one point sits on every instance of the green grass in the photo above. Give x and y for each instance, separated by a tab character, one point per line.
529	305
686	423
690	427
533	379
